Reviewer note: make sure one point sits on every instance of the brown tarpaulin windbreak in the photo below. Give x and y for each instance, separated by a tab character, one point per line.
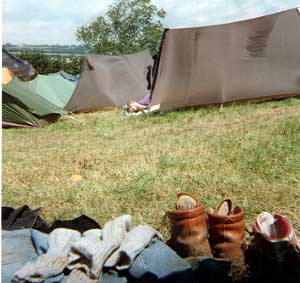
110	81
256	59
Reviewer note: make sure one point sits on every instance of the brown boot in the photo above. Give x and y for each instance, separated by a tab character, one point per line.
226	231
188	227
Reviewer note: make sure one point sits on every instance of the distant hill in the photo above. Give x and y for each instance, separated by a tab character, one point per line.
48	49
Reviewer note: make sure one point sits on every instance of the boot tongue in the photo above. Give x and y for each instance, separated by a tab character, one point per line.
186	202
225	208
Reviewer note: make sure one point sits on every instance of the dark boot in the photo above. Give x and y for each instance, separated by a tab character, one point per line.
188	227
226	230
274	252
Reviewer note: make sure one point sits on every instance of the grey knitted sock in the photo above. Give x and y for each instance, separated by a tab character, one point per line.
80	252
91	252
134	243
116	229
113	234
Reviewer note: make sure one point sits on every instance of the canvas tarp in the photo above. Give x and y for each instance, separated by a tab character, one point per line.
21	106
253	59
110	81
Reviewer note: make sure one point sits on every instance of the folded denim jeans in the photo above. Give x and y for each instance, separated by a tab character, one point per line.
158	263
20	247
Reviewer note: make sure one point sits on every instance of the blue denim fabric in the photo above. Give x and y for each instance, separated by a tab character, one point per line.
158	263
19	247
113	277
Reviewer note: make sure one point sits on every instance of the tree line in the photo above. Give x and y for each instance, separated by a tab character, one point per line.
45	64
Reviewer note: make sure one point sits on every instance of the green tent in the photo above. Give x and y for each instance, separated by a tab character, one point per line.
24	107
55	89
71	78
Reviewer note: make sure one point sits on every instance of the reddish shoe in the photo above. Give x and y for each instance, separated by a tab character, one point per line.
275	229
274	252
188	227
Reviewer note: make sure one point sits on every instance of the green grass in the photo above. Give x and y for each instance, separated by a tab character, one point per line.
137	165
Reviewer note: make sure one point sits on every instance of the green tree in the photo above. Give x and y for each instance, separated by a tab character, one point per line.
37	59
72	65
129	26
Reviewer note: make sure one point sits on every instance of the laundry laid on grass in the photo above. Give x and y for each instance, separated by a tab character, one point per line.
117	253
202	247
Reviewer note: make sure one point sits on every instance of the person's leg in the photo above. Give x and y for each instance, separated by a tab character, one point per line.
145	101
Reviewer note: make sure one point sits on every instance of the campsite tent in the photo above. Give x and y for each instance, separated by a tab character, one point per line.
23	107
256	59
110	81
31	103
65	75
55	89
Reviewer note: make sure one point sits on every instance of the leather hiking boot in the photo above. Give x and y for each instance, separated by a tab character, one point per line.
226	231
273	254
188	227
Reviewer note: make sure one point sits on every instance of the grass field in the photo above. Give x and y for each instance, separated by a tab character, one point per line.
137	165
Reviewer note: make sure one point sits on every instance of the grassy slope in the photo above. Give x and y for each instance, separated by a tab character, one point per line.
137	165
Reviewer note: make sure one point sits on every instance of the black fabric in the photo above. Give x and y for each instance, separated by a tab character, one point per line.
156	59
5	212
25	217
21	218
81	224
210	270
149	77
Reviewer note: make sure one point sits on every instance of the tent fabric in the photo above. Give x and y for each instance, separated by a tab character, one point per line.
6	76
20	68
110	81
256	59
16	114
55	89
67	76
24	107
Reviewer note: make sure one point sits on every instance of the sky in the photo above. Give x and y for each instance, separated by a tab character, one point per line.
56	21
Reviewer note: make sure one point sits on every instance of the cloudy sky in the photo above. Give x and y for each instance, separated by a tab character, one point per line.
55	21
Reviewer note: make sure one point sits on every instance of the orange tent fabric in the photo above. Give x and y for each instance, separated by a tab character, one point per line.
6	76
